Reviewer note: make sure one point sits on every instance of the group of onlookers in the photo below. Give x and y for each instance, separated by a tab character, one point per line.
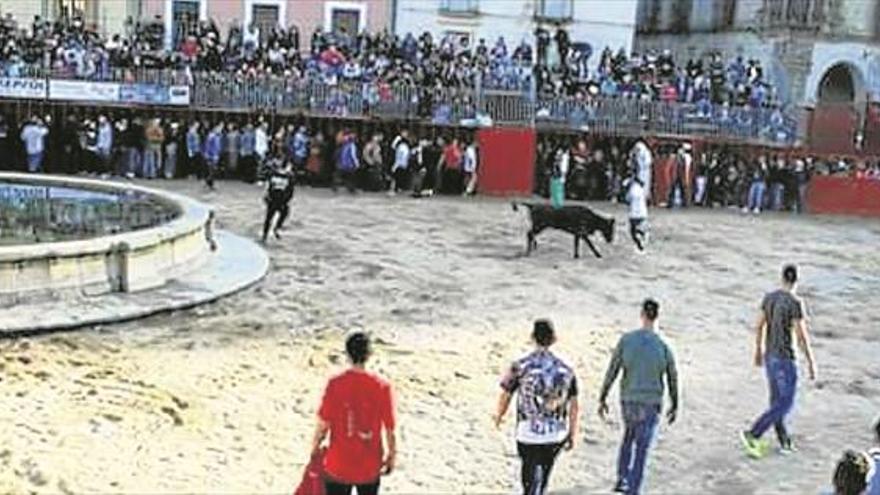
357	411
715	177
551	62
166	146
357	414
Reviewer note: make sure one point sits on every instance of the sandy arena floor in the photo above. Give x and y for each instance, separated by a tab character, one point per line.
221	399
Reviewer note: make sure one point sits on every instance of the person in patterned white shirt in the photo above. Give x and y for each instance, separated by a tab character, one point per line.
547	408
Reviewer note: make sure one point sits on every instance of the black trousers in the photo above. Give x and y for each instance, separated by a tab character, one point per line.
336	488
537	463
280	208
637	230
346	178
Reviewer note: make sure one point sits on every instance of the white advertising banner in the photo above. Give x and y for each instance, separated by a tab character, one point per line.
22	88
178	95
83	91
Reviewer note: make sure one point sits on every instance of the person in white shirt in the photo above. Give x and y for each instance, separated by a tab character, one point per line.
261	143
470	168
400	168
642	163
33	135
638	212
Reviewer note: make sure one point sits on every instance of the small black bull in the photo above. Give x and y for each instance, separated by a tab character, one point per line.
579	221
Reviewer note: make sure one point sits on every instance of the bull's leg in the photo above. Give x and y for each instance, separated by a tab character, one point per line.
577	246
537	228
530	241
592	247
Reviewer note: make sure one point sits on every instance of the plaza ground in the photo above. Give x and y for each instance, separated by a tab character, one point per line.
222	398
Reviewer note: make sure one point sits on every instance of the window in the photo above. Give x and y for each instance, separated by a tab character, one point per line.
725	14
459	6
345	21
184	20
265	17
648	16
557	10
681	16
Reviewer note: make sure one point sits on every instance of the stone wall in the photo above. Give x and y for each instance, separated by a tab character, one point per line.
130	261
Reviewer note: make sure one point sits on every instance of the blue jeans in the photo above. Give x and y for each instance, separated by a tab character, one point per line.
782	380
35	162
152	159
640	421
756	196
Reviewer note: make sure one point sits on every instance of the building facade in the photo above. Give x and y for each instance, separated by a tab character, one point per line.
306	15
599	23
107	17
814	51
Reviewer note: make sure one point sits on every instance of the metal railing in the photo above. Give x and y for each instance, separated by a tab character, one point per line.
460	106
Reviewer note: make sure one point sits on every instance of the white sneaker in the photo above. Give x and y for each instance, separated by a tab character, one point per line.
756	211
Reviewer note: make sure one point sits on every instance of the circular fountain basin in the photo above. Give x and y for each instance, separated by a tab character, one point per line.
64	236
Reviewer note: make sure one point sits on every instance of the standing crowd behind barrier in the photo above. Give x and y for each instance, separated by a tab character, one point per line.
167	145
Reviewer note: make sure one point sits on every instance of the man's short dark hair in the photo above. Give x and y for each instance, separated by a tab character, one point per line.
651	309
543	333
357	346
850	476
790	274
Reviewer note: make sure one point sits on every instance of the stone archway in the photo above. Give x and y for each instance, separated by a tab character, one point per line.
840	85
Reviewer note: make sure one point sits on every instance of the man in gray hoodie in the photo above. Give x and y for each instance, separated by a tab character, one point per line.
645	359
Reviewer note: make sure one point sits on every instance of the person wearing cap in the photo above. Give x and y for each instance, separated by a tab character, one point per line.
357	407
546	410
645	359
782	318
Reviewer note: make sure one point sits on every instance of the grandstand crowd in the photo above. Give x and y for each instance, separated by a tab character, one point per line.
551	63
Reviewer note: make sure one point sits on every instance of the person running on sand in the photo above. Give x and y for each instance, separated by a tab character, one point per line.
356	408
279	192
547	408
637	198
782	318
645	359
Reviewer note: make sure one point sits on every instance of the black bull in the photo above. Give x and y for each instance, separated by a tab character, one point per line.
579	221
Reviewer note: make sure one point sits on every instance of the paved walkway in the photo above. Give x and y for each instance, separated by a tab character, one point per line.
237	264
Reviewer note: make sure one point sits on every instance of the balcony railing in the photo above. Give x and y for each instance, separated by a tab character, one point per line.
464	106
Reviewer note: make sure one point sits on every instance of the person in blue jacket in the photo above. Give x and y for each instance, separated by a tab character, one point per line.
211	152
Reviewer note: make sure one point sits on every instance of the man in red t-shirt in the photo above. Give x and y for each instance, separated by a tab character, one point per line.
356	407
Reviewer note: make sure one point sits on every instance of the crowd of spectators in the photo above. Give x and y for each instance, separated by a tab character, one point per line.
550	62
360	155
715	177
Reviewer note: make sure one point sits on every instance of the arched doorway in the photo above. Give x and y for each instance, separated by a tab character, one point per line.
838	119
838	85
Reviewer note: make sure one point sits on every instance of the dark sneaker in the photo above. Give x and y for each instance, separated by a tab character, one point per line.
621	487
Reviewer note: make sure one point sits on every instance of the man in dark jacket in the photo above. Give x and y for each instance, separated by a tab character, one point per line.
279	192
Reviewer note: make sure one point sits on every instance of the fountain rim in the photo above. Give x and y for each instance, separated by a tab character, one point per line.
192	215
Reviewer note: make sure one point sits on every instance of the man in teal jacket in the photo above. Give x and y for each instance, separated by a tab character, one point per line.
645	359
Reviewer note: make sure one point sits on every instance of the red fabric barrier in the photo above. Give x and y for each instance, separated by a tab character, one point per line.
833	128
507	161
844	195
663	174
